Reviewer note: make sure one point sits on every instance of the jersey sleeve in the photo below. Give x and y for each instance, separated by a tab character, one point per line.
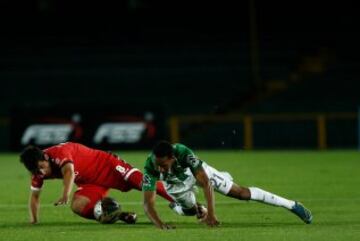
36	183
150	176
188	158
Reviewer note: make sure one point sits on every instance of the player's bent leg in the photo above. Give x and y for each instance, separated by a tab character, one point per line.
85	198
90	202
185	203
80	206
108	211
257	194
223	183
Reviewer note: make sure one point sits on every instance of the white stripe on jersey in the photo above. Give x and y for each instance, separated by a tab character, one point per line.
129	173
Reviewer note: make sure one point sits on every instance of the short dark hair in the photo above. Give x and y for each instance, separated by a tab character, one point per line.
162	149
30	157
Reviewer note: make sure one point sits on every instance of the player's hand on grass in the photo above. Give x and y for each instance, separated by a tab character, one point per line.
33	221
167	226
63	200
211	221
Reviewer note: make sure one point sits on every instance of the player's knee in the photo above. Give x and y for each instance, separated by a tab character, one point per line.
80	206
76	207
245	193
242	193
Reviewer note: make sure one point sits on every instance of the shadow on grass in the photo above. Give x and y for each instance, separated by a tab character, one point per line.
72	225
94	226
237	225
46	224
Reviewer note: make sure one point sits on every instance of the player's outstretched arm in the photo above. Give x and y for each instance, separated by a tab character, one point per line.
204	182
149	208
68	180
34	203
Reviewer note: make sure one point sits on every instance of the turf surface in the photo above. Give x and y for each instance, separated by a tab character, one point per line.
326	182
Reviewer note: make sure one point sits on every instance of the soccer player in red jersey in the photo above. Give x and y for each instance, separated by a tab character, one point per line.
93	171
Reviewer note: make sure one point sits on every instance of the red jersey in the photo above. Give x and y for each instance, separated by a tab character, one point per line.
91	166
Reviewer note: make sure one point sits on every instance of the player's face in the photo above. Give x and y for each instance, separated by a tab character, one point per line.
44	168
164	163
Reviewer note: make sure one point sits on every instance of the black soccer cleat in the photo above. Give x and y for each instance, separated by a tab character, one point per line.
128	217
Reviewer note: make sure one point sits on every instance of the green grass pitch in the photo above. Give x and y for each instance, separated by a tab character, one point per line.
326	182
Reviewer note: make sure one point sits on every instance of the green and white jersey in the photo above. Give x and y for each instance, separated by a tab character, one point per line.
184	159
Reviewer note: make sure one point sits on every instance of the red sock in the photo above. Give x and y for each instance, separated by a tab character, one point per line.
135	181
160	190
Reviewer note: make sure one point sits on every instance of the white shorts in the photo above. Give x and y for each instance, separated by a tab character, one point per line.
221	181
184	192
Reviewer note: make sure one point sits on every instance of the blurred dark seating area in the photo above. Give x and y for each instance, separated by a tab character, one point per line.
185	57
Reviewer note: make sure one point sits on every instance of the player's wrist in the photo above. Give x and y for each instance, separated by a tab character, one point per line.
33	221
66	195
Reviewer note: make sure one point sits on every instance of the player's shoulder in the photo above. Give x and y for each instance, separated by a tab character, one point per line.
69	144
179	146
63	153
150	159
181	149
62	145
149	167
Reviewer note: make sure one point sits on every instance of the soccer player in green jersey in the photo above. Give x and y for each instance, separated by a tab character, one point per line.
180	170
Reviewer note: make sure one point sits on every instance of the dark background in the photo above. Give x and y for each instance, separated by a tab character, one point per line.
183	57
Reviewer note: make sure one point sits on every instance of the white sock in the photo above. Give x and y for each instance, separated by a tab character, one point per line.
260	195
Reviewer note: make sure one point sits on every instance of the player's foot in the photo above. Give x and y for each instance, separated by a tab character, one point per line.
176	208
109	218
302	212
128	217
173	205
201	211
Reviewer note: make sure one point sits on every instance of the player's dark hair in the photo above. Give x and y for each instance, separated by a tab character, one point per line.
30	157
162	149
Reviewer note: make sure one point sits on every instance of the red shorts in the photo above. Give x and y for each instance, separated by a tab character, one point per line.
96	192
93	192
112	173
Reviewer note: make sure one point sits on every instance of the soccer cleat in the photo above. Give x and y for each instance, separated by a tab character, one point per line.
176	208
109	218
128	217
302	212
